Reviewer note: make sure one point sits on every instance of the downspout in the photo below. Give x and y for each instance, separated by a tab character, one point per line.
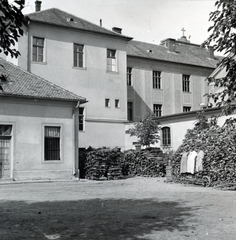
76	142
28	49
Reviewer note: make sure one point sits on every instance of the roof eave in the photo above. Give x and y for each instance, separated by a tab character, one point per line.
81	100
157	59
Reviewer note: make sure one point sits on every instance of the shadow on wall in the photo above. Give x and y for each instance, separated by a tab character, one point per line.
140	108
92	219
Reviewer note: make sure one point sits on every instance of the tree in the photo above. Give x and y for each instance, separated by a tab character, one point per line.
223	37
146	130
11	22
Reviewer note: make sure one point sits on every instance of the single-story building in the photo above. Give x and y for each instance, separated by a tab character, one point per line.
39	124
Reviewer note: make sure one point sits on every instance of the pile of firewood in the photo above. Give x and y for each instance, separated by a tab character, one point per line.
146	163
219	147
105	163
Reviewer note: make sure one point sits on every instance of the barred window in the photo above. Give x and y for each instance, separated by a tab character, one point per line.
52	143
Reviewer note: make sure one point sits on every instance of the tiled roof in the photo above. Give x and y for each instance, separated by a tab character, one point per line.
60	18
25	84
184	53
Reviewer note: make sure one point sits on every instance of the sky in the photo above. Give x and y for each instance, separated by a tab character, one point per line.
144	20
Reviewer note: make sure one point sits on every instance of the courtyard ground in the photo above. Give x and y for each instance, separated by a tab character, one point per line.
134	208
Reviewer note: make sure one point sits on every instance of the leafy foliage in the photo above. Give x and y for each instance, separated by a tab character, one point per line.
146	130
223	36
11	22
219	147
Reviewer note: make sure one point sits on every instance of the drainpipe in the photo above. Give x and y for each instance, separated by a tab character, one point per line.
76	142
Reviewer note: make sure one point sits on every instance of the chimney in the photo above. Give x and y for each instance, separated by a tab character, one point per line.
169	43
100	22
211	52
38	6
117	30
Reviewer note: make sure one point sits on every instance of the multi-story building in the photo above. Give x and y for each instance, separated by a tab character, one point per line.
167	79
121	78
86	59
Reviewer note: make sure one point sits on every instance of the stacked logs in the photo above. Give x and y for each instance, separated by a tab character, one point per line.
105	163
146	163
219	147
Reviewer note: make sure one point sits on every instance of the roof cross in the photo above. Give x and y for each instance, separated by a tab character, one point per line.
183	30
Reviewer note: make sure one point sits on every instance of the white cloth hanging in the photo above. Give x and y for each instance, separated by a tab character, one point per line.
199	159
191	162
183	163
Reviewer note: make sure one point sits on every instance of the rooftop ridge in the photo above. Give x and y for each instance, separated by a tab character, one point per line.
56	11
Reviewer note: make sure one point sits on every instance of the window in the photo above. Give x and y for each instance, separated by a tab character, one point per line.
129	76
38	49
111	60
130	111
157	109
117	103
78	55
186	83
186	109
156	80
107	102
81	119
51	143
166	138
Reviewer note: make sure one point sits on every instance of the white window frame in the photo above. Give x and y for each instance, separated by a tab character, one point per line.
77	55
169	137
186	108
157	109
44	49
83	130
107	103
129	76
156	79
112	59
117	103
186	83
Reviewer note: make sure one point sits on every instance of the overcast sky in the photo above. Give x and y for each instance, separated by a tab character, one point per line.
144	20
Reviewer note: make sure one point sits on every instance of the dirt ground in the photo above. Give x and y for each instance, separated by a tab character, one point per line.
134	208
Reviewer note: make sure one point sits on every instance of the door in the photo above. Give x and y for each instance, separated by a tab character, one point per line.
4	157
5	138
